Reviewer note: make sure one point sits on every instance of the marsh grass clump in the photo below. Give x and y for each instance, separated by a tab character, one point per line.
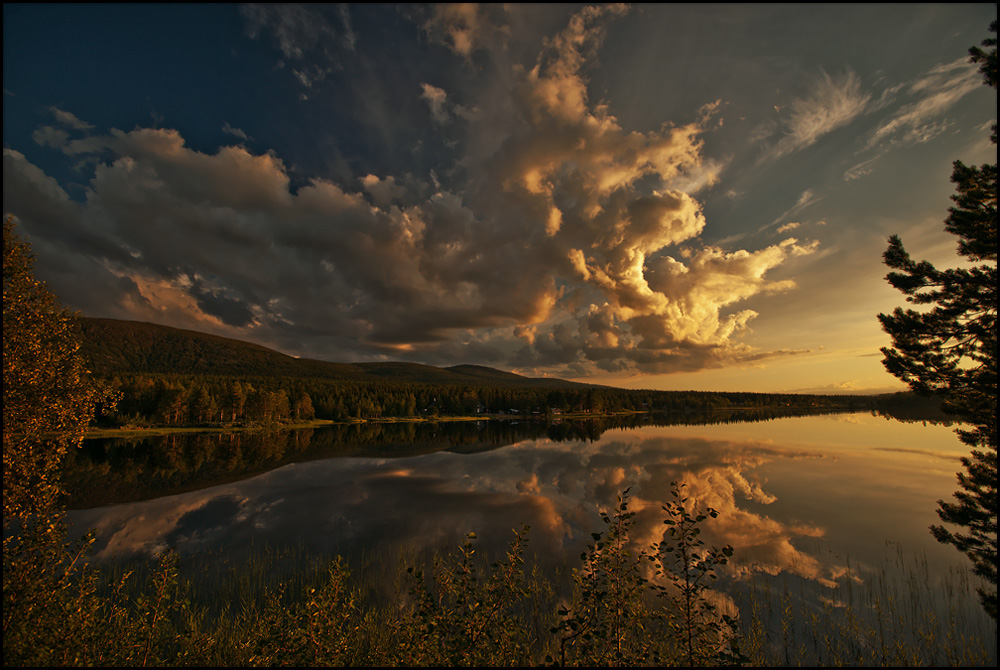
896	614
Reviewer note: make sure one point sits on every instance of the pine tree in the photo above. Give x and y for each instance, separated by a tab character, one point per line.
951	349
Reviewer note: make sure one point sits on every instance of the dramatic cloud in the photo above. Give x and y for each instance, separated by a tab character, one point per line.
570	244
557	488
466	27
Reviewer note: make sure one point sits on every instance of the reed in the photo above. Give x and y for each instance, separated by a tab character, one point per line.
896	613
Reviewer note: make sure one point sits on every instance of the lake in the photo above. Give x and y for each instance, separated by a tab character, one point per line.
813	501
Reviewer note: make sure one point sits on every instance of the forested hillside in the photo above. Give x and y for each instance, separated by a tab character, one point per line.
172	377
132	347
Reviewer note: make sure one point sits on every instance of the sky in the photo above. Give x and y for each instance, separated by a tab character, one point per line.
669	196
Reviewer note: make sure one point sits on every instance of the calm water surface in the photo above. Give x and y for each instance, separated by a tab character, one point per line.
807	498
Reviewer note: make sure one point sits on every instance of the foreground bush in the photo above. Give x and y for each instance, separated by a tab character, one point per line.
60	611
625	606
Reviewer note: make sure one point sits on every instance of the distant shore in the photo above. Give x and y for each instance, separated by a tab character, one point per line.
154	431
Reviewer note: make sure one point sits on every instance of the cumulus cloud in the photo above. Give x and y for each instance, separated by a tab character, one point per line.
384	192
437	99
466	27
47	136
571	244
59	138
34	195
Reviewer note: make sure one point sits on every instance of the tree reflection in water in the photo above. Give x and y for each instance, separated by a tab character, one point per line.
114	470
808	498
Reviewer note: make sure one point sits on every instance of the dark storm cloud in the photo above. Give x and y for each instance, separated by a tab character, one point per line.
231	312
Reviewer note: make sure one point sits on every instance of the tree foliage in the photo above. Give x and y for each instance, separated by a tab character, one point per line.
705	634
635	606
950	348
48	398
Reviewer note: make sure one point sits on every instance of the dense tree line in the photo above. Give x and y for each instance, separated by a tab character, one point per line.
139	466
184	400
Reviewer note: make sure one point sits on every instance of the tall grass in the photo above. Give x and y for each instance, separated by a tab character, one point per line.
898	613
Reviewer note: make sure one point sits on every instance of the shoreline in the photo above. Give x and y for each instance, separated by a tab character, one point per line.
156	431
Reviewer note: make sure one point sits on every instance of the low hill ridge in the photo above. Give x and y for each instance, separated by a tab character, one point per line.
114	346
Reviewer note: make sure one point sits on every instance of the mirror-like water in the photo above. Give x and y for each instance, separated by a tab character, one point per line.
811	499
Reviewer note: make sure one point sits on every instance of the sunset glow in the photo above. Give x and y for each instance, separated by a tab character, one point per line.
661	196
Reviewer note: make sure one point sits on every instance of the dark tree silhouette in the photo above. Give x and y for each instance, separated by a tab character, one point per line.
950	350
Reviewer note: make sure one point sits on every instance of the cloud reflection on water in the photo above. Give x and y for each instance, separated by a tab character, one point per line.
431	501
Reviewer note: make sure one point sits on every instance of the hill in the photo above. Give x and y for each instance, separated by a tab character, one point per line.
115	347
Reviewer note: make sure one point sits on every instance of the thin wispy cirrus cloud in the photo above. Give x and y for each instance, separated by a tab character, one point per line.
506	212
311	42
923	116
831	104
936	92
